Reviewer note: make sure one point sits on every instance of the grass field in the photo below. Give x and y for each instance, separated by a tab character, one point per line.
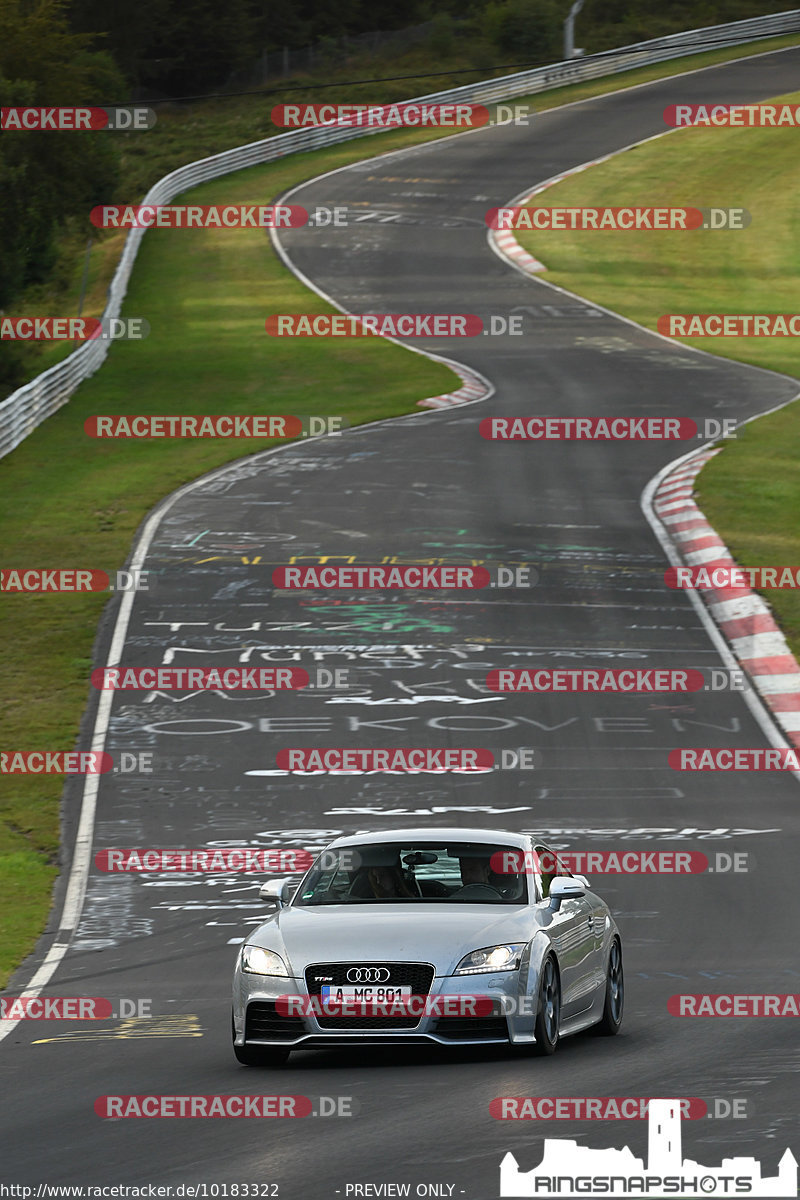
750	492
76	501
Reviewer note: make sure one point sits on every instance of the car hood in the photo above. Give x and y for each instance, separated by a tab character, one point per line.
432	933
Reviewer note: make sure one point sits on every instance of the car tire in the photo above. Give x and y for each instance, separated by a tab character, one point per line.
611	1020
548	1014
259	1056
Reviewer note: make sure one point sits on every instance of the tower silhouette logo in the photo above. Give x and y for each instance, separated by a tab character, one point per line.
569	1170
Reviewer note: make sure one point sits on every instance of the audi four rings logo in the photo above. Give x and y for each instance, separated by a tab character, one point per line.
368	975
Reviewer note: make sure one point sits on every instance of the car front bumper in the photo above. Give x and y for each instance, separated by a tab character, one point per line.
255	997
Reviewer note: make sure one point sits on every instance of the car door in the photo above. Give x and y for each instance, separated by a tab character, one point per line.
572	933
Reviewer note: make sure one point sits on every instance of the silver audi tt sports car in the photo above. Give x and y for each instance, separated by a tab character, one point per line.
451	936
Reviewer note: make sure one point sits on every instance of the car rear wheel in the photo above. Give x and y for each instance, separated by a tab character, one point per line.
548	1016
615	993
259	1056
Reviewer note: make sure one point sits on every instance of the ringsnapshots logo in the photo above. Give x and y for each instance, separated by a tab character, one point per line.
570	1170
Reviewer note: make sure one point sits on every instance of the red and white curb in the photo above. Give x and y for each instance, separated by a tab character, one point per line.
741	615
474	388
504	242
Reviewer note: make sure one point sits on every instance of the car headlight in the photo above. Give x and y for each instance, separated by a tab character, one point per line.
262	962
490	958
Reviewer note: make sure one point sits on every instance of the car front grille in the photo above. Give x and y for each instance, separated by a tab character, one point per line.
264	1023
417	976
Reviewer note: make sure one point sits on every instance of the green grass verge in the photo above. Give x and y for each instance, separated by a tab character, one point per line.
750	492
78	502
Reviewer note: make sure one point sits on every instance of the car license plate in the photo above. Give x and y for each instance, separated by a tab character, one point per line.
370	991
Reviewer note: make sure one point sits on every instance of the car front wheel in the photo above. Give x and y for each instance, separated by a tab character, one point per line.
615	993
548	1016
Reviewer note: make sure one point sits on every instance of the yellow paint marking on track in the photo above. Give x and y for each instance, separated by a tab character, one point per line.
178	1025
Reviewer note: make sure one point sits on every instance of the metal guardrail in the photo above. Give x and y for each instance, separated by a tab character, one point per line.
34	402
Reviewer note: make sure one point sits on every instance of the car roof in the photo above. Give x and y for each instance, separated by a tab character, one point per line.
434	834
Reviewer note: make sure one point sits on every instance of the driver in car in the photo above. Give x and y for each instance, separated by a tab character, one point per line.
474	870
388	883
478	879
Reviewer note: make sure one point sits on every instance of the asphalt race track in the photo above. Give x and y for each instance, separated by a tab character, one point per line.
429	486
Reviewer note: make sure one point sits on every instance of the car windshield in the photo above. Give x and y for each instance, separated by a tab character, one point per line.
402	873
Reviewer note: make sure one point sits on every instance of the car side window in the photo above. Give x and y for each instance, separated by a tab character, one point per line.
550	865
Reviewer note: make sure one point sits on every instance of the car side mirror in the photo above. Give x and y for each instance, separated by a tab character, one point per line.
276	891
565	887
